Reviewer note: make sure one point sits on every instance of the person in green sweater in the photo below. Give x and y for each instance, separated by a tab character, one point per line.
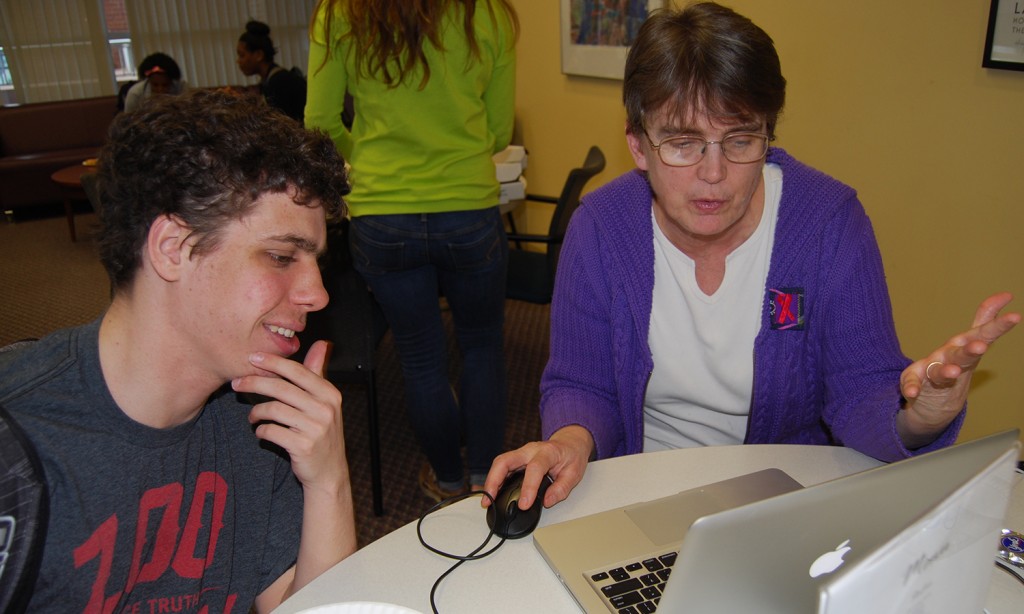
434	91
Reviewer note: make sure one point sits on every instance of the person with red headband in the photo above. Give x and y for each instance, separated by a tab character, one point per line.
158	74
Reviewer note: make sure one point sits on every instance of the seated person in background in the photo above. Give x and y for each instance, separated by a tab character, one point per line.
164	484
283	89
158	74
724	292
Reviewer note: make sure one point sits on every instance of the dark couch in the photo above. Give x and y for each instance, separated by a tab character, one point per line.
38	139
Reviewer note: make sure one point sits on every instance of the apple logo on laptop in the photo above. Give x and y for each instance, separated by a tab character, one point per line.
830	561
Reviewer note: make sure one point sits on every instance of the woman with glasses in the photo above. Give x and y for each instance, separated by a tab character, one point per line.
433	85
724	292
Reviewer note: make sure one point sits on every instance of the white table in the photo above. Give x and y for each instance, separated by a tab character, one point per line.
397	569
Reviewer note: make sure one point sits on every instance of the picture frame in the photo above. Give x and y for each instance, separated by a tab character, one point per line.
1004	41
595	38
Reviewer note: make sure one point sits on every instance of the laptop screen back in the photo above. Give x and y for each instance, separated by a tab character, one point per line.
942	562
891	522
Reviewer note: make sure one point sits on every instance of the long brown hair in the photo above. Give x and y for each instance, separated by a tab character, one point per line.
386	31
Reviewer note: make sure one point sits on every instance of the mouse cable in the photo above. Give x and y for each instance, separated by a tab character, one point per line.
472	556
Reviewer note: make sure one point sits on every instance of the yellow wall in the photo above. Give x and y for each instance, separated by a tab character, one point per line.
889	97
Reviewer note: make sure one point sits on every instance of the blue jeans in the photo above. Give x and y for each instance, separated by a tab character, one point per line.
408	260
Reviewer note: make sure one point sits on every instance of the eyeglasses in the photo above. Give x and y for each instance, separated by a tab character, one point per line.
740	148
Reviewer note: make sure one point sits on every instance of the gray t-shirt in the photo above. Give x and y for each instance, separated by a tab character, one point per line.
144	519
140	92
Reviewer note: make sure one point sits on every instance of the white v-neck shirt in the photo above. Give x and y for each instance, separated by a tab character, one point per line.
699	392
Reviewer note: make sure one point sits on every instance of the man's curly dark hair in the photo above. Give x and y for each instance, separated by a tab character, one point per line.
205	157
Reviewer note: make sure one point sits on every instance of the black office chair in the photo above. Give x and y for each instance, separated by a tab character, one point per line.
531	275
355	324
24	511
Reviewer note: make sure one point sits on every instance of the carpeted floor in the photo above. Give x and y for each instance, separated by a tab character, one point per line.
47	282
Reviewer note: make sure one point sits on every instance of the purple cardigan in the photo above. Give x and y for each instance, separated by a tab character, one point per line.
827	361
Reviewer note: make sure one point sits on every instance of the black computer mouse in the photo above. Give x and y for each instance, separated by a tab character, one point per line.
504	516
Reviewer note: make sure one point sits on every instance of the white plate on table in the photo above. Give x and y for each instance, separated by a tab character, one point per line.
360	607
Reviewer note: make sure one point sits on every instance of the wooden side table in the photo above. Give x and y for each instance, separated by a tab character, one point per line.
69	179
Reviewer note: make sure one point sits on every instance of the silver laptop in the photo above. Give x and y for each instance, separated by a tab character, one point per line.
926	528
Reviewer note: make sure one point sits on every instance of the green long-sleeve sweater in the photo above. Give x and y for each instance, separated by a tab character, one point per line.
416	150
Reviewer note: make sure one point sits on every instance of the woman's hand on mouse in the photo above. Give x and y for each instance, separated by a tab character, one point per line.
564	457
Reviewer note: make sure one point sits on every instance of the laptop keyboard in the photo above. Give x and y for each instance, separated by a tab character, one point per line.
634	587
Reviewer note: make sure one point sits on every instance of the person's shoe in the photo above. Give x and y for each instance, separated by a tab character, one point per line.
430	487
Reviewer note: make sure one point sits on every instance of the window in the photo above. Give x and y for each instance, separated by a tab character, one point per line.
115	19
6	87
49	49
62	49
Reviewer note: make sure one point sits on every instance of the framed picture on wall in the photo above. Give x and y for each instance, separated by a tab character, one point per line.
1004	42
596	34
